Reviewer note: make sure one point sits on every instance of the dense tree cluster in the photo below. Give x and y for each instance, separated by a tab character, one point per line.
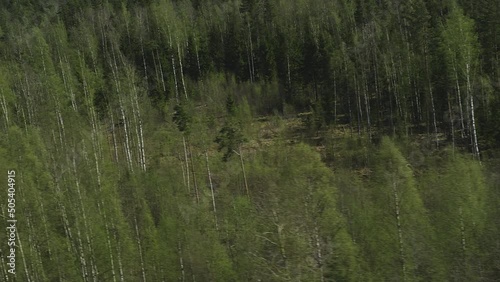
133	130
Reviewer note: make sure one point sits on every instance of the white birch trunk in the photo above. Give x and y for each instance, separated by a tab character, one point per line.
100	203
244	172
93	267
319	254
181	71
195	183
394	86
68	88
138	127
175	80
367	106
251	53
197	58
181	261
459	96
113	133
473	120
249	63
400	229
108	241
212	193
431	92
45	227
143	153
434	115
462	233
186	162
358	102
182	168
3	103
157	72
288	69
67	229
128	152
25	87
141	257
314	238
83	262
71	93
118	251
452	125
281	239
173	69
161	73
335	97
144	60
21	250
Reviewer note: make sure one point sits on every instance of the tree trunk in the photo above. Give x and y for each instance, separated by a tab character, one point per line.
143	58
452	125
319	254
128	152
138	128
187	163
195	183
21	250
197	58
87	227
119	254
431	92
249	64
400	229
367	106
252	67
139	246
244	172
5	111
288	70
281	240
181	261
173	68
358	100
212	193
161	73
25	88
335	98
314	238
108	243
113	135
67	88
459	96
471	97
181	71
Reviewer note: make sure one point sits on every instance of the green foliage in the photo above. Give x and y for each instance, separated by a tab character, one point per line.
181	118
456	196
410	233
459	41
230	107
229	140
109	113
310	190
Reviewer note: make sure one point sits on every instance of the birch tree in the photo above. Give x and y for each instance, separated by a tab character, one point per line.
456	196
461	48
398	209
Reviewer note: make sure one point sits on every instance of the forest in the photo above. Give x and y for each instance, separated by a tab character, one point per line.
250	140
